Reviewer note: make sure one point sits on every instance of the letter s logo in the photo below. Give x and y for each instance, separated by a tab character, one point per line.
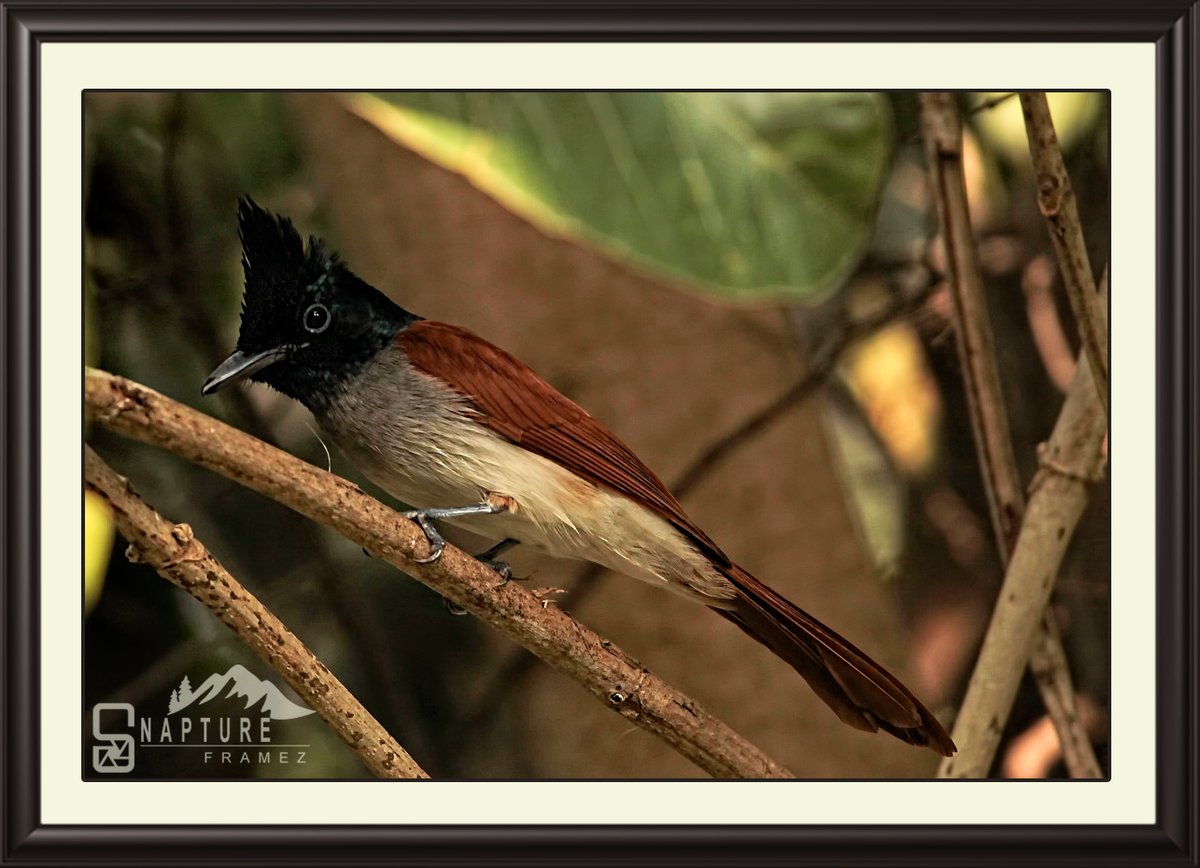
116	755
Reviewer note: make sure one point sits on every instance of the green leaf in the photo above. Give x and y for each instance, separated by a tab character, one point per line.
751	196
875	494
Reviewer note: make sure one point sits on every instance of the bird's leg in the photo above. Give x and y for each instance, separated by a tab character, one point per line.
499	548
488	559
424	519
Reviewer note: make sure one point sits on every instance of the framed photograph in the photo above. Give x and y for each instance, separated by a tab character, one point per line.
729	434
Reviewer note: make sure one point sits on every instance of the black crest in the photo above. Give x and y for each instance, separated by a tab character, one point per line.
278	267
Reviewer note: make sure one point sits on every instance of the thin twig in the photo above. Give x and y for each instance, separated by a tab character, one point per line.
979	108
1056	200
1048	662
1006	502
1058	359
607	672
973	334
990	103
821	365
176	555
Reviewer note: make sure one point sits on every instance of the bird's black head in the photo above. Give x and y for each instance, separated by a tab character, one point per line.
308	322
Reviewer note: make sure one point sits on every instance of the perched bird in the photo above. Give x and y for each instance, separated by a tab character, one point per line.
455	426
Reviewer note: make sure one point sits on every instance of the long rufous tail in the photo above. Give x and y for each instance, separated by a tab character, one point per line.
860	691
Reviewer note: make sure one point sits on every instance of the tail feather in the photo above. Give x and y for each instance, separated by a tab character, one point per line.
860	691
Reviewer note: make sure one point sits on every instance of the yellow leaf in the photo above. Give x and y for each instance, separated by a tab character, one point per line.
97	545
1003	127
888	375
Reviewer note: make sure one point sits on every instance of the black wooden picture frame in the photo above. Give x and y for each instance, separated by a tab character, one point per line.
1173	26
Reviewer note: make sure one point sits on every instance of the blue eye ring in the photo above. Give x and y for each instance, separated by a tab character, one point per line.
316	318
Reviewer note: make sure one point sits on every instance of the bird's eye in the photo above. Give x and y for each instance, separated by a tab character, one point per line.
316	318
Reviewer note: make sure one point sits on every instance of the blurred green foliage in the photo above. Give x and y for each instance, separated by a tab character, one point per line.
749	196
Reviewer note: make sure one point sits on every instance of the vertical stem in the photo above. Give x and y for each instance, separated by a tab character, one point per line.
1056	201
942	131
973	332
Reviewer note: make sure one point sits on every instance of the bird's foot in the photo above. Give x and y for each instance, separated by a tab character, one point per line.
436	544
488	559
424	519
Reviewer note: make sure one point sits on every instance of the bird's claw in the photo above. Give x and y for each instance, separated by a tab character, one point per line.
434	555
501	567
436	544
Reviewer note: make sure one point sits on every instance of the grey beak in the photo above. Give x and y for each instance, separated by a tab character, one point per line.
240	365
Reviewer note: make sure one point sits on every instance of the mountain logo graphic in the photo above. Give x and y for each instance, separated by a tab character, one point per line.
238	682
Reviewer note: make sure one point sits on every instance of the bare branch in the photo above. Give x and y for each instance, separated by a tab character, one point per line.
942	130
1056	200
176	555
973	333
608	673
1071	460
1048	663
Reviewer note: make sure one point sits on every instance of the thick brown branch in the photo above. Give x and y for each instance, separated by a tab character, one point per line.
1056	200
1006	502
618	681
173	552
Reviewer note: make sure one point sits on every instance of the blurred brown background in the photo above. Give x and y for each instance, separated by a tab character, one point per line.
861	501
